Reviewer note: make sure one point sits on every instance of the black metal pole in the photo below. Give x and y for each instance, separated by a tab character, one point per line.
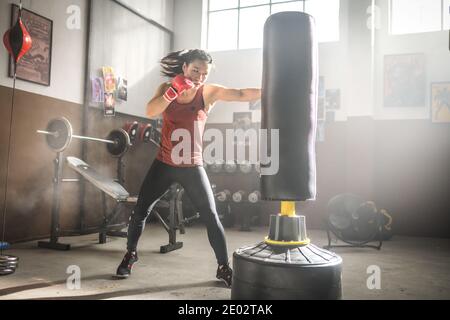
84	120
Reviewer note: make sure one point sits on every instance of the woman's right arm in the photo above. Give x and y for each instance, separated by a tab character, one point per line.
158	104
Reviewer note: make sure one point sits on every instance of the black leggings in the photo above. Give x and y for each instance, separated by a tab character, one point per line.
196	184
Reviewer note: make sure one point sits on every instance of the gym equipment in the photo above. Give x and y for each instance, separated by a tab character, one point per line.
132	128
254	197
108	186
117	192
112	188
286	265
230	166
121	143
8	265
145	132
176	220
216	166
245	167
356	222
59	134
238	196
223	196
258	167
17	42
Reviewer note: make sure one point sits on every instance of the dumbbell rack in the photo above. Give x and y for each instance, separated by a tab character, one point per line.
245	205
56	232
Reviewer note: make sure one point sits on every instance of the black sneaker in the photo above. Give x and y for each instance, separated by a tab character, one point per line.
124	269
225	274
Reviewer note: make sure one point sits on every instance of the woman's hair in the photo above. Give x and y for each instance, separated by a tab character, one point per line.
172	64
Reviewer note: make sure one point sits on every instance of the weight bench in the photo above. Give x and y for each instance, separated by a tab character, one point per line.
117	192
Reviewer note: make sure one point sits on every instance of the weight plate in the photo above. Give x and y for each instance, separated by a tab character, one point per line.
8	259
132	128
6	272
11	265
146	131
63	128
122	144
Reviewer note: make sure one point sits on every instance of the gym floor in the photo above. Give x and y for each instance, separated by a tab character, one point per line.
410	268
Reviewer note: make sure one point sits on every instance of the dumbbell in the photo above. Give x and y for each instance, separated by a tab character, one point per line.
132	128
223	196
230	166
245	167
254	197
216	166
238	196
145	132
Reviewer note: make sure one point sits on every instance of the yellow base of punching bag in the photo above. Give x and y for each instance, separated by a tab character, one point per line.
286	266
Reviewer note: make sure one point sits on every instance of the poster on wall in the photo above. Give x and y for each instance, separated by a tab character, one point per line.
97	90
440	102
109	79
109	82
35	66
109	104
122	89
404	80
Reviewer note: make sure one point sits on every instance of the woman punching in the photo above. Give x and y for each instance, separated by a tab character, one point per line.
184	103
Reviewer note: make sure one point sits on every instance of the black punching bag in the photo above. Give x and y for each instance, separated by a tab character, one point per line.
289	100
286	265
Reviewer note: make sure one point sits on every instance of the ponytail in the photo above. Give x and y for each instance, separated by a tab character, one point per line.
172	64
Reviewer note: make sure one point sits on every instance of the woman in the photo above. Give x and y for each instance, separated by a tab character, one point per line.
185	102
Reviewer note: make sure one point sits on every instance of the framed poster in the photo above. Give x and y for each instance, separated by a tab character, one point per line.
440	102
35	66
404	80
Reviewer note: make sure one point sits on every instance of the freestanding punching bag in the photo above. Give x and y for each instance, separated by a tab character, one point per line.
286	265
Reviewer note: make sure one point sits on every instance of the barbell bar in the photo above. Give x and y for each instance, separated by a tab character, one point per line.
56	135
59	134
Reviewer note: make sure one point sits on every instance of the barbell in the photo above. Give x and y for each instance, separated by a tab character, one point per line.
59	134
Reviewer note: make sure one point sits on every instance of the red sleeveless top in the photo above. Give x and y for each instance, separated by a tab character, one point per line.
184	123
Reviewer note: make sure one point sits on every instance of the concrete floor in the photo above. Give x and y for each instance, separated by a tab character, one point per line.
411	268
